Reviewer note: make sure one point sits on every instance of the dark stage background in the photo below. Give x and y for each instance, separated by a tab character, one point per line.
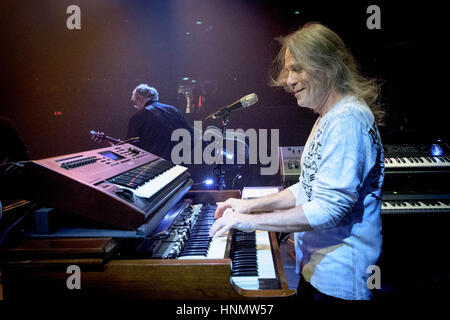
57	84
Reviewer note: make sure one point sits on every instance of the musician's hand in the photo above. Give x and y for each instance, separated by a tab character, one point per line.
231	219
239	205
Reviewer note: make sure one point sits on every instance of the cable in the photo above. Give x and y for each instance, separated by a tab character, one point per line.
159	236
238	176
8	229
129	140
11	165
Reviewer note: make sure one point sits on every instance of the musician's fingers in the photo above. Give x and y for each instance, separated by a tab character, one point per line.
220	227
231	219
221	206
219	211
215	227
222	231
223	224
228	211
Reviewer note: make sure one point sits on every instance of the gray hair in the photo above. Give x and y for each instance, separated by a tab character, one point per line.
146	91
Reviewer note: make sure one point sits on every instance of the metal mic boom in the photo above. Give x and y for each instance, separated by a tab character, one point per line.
244	102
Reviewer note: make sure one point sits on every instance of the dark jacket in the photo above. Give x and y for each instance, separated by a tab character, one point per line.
154	125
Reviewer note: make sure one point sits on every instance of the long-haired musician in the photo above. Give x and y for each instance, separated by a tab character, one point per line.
334	209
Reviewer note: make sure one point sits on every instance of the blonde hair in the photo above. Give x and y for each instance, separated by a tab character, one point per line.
322	54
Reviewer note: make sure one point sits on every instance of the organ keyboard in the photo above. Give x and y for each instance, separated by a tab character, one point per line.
147	180
417	162
126	188
415	205
251	253
416	178
416	157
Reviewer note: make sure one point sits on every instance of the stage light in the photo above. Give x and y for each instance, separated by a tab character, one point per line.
436	150
198	22
185	78
208	181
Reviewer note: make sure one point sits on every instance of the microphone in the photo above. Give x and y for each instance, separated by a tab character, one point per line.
244	102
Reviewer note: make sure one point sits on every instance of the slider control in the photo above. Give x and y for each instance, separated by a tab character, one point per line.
133	150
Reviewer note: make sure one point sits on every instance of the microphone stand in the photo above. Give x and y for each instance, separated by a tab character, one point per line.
219	172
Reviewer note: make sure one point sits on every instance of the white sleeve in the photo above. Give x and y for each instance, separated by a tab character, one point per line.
295	189
340	174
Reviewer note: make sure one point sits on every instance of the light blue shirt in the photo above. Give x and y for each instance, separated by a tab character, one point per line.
342	171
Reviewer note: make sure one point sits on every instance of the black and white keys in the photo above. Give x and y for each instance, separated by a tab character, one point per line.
198	244
415	206
251	252
145	181
417	162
